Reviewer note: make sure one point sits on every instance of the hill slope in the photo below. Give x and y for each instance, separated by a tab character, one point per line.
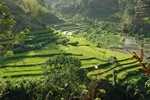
30	63
30	13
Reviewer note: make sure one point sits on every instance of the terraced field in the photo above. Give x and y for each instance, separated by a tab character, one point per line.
29	59
72	27
123	69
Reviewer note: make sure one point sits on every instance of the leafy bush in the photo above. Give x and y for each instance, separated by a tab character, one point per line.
19	90
76	43
64	73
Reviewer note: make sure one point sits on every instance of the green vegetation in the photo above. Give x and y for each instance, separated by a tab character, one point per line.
103	38
74	50
6	35
32	53
65	70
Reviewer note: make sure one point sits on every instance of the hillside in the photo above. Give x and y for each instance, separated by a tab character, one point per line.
27	16
88	9
40	45
74	50
24	63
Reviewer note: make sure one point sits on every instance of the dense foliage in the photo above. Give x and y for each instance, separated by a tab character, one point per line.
8	37
103	90
64	73
74	50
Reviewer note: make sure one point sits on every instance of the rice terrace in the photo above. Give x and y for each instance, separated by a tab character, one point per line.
74	50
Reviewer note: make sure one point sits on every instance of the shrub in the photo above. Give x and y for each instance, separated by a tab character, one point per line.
65	73
76	43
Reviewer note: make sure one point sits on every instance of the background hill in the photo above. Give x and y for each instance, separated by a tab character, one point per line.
40	13
30	13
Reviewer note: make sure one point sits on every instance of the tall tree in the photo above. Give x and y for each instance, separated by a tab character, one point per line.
6	24
8	37
65	73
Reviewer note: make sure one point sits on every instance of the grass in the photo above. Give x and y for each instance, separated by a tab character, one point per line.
29	64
